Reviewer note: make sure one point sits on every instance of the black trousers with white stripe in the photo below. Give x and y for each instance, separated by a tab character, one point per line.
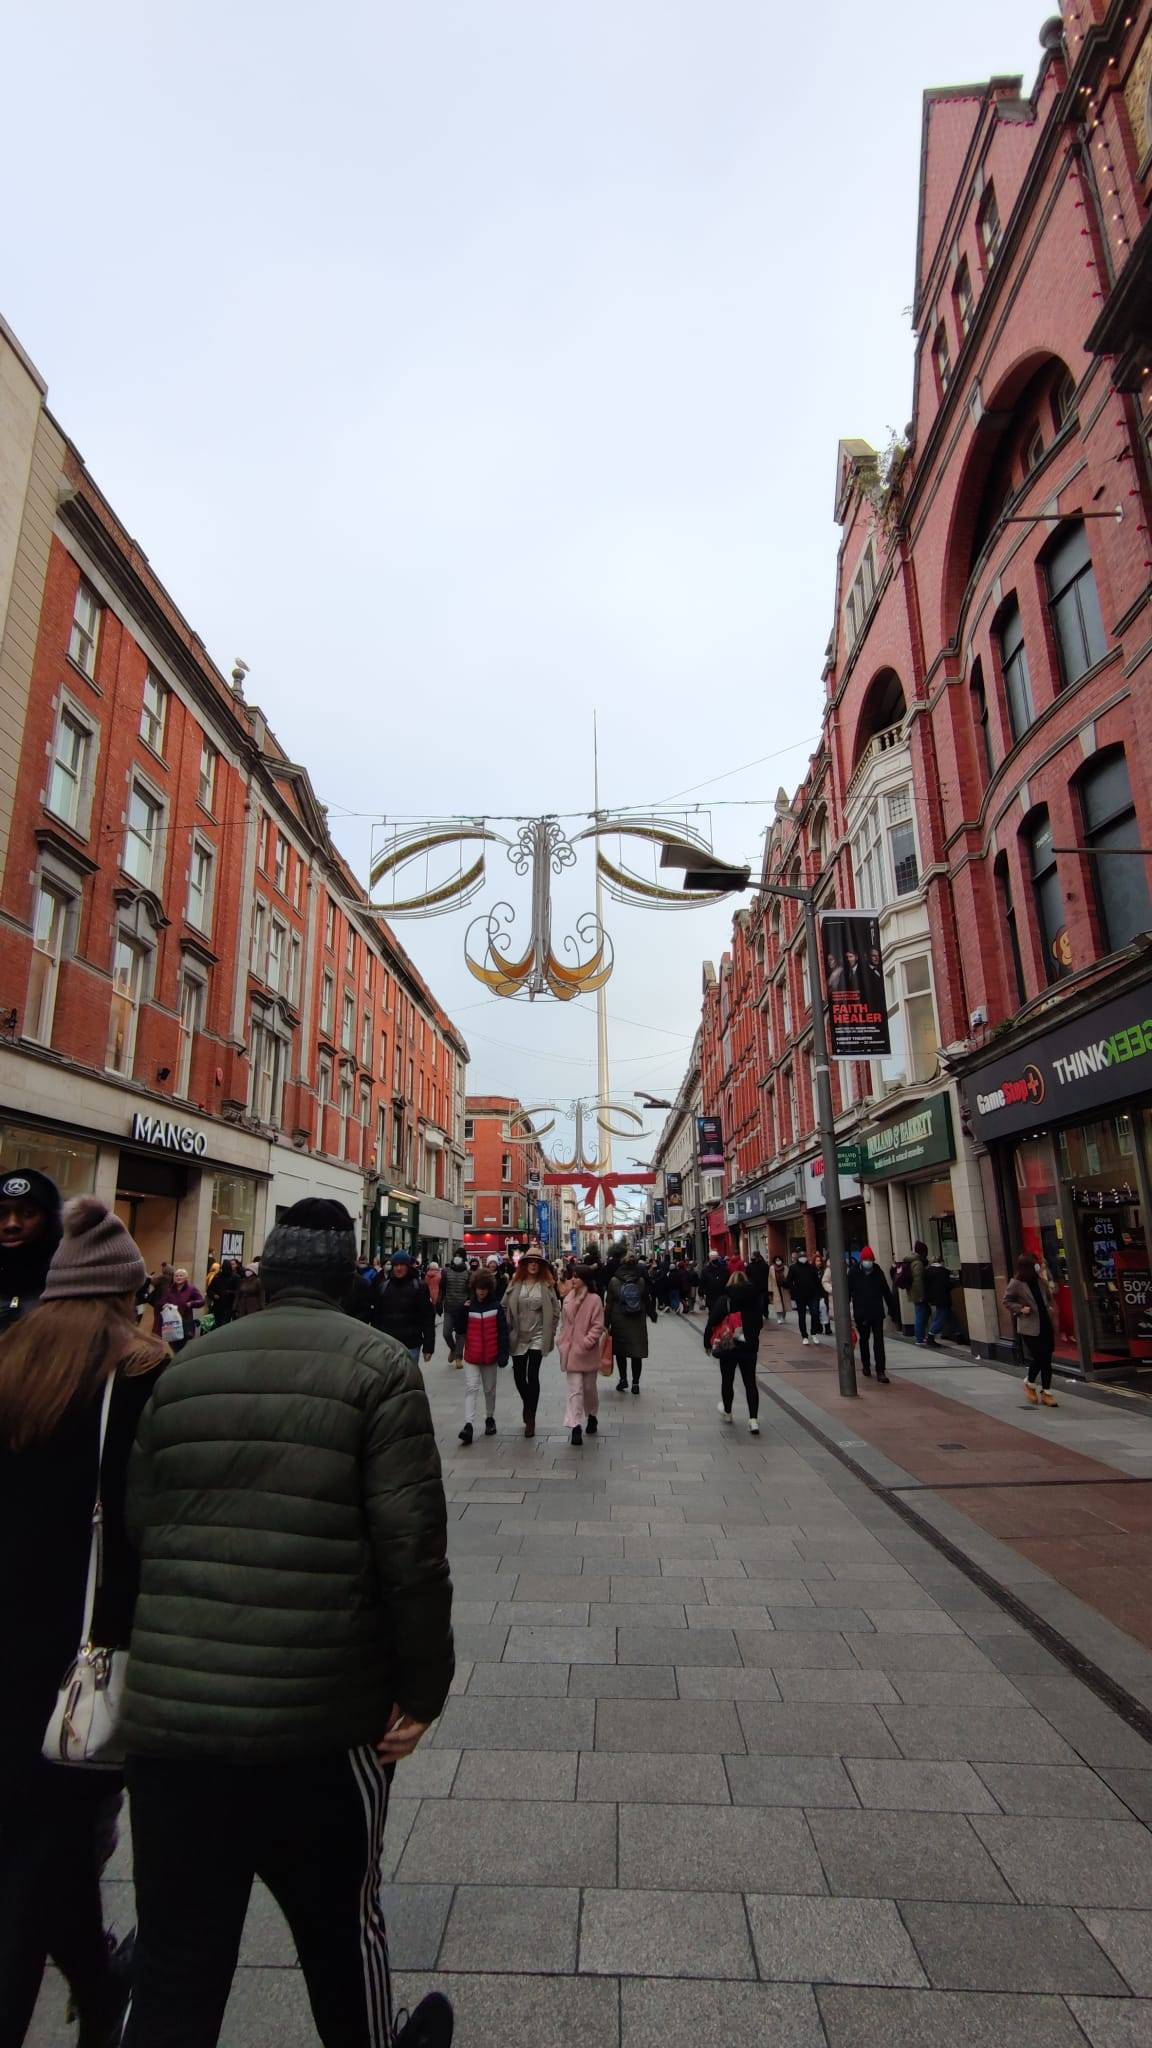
313	1831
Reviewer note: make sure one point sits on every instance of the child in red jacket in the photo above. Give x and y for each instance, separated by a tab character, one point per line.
482	1342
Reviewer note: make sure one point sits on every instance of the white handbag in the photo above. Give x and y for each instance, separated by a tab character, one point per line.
84	1728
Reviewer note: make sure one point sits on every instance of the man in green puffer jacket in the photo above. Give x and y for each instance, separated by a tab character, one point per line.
292	1641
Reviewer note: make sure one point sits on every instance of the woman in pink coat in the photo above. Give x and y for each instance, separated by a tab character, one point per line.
579	1339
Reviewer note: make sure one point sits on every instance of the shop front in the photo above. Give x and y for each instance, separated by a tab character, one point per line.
766	1218
1065	1119
851	1200
906	1169
395	1225
186	1185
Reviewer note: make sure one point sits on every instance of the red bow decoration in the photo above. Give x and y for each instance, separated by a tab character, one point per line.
597	1184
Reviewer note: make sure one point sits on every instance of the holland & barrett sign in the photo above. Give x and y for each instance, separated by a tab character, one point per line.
922	1138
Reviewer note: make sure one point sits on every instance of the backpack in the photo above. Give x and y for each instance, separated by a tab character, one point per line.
632	1298
904	1275
727	1334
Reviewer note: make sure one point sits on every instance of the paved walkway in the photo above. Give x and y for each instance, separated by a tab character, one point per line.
737	1760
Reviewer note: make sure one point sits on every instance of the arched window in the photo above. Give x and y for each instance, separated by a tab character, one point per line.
1048	896
882	711
981	719
1014	669
1074	603
1008	919
1119	877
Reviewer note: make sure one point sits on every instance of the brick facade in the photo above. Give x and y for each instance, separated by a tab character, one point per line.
500	1204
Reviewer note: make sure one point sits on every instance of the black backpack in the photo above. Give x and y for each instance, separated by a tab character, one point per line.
632	1298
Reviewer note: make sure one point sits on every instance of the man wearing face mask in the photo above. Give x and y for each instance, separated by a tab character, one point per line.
871	1297
453	1295
805	1287
30	1231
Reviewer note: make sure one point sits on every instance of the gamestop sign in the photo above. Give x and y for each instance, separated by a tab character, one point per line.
1104	1057
164	1136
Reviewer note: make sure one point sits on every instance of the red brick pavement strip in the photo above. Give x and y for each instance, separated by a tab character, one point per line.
1067	1513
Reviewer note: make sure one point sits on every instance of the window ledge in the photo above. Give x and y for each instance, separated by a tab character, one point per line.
76	669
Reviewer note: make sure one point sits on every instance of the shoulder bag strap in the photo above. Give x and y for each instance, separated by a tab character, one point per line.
96	1547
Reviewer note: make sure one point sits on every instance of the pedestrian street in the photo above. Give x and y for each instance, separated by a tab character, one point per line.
733	1758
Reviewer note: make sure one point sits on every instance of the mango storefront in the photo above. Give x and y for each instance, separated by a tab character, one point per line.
1064	1116
185	1184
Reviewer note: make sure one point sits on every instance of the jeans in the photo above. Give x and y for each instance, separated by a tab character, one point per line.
921	1315
940	1321
622	1369
57	1831
674	1300
526	1373
1040	1359
475	1378
871	1333
449	1329
313	1829
583	1398
731	1363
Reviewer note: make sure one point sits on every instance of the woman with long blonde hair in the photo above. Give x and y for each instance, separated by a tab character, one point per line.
58	1824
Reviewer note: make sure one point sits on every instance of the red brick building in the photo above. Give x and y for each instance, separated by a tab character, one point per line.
985	771
203	1019
501	1176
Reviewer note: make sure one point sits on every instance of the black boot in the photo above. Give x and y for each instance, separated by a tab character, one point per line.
430	2026
466	1433
577	1436
591	1425
490	1425
102	2018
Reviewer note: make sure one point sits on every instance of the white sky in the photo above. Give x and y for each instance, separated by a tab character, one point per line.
464	366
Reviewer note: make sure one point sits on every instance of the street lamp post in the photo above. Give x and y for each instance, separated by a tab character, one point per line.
706	872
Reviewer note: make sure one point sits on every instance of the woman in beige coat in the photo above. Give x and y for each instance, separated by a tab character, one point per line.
581	1334
1028	1300
532	1307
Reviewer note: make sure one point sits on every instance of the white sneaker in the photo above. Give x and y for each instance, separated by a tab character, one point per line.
725	1412
805	1340
753	1427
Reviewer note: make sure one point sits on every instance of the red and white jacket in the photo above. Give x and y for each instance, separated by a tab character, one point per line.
485	1335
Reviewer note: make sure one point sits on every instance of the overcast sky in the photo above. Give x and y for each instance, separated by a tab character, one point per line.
468	365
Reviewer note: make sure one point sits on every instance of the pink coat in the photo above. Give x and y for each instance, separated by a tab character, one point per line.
581	1329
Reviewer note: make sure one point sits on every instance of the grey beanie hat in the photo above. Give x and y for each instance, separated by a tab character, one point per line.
313	1246
96	1256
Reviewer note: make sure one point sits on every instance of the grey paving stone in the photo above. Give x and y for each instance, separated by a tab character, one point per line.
1072	1862
789	1781
958	1689
663	2014
636	1778
502	1841
620	1681
541	1613
884	1651
945	2019
919	1787
757	1592
401	1820
665	1934
621	1614
980	1734
675	1646
658	1591
468	1611
1008	1948
673	1726
743	1848
560	1646
414	1915
1053	1790
904	1856
511	1724
910	1621
881	1597
725	1682
1099	1735
868	1687
483	1645
788	1616
796	1650
1127	1939
506	1927
814	1728
504	2011
1108	2023
715	1568
519	1681
715	1616
832	1941
534	1587
516	1774
426	1774
267	2009
1133	1787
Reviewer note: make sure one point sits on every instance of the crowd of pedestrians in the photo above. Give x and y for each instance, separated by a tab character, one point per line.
231	1521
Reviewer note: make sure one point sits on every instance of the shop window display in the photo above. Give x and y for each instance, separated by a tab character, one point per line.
1098	1163
70	1162
233	1228
1042	1229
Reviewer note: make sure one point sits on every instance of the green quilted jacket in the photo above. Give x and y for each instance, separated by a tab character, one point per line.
286	1499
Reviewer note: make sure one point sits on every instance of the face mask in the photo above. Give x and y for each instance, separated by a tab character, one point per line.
459	1265
868	1264
802	1258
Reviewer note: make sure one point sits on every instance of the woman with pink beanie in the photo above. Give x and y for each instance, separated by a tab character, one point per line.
58	1825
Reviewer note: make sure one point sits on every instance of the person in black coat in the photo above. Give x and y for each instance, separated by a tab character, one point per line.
402	1308
29	1234
713	1279
806	1288
58	1824
871	1298
739	1298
